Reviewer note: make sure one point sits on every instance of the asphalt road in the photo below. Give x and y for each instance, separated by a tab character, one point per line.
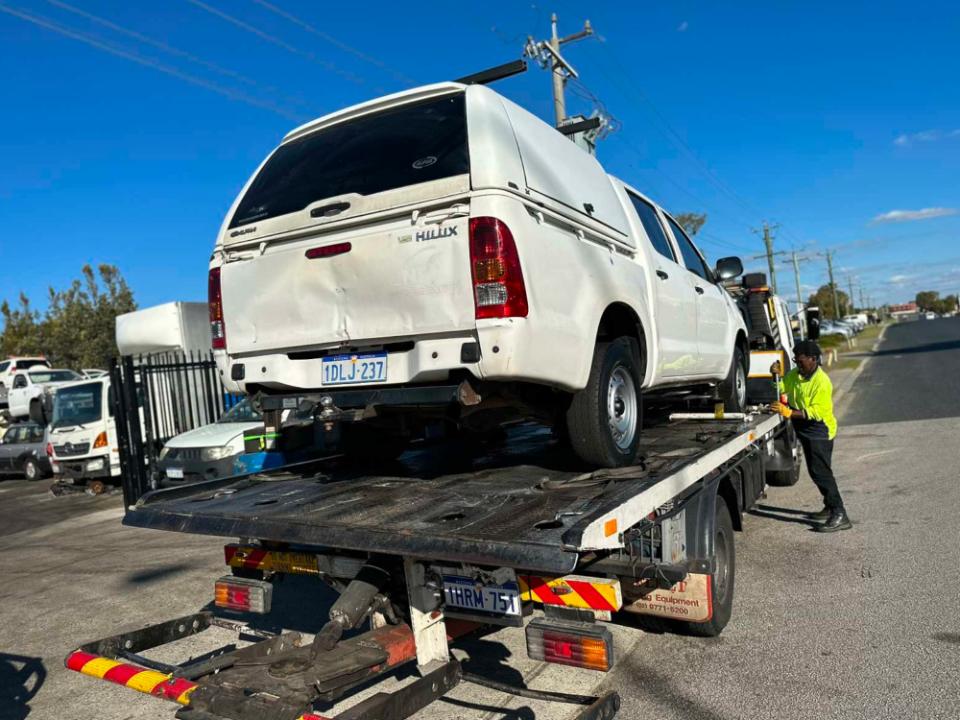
861	624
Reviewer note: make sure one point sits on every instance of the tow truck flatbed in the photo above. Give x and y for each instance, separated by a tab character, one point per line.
525	506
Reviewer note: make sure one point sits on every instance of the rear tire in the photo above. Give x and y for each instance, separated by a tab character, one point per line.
733	390
786	478
31	470
605	418
722	580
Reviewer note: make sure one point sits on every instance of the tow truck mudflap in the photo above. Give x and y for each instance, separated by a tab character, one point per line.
267	680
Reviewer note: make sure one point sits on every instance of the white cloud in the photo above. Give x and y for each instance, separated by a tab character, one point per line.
911	215
682	27
907	139
900	279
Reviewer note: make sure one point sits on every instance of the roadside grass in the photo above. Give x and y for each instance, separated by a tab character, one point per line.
846	364
829	342
870	333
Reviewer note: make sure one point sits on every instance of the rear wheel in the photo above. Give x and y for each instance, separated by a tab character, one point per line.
722	579
605	418
787	478
31	470
733	390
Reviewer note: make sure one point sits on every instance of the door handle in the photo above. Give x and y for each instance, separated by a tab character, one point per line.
699	290
662	275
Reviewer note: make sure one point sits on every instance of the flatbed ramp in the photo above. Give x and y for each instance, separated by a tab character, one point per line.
526	505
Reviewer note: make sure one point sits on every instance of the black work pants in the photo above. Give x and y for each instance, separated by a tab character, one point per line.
819	452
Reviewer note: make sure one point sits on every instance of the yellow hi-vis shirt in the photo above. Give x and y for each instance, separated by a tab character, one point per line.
813	395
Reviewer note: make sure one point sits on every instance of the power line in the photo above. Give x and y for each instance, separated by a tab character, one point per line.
335	42
168	48
274	40
147	62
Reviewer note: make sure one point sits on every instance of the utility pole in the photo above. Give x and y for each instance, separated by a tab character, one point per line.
802	322
833	285
547	53
850	309
768	244
862	304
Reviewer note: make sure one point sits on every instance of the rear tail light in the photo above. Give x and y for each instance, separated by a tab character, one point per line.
498	287
243	594
583	645
218	331
101	441
50	450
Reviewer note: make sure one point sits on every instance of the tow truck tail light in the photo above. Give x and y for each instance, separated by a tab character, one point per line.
498	287
243	594
218	330
49	449
101	440
583	645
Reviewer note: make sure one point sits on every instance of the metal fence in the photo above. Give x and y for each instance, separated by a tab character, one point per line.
155	398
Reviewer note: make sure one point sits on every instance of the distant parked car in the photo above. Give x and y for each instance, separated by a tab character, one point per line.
23	452
28	386
209	452
829	327
931	316
10	366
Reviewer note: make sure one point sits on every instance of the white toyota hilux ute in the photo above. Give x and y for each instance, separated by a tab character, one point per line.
443	237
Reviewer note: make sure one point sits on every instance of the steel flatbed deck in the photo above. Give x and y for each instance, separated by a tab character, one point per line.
525	505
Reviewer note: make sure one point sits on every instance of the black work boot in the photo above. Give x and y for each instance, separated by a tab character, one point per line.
819	516
838	520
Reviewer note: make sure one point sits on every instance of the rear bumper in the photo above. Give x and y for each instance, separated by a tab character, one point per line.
430	360
511	349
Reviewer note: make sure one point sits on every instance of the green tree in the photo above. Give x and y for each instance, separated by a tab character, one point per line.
927	300
21	329
691	222
78	327
823	298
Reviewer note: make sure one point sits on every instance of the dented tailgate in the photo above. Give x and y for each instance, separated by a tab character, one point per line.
394	281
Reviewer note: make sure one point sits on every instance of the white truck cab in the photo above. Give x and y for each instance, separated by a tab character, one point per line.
82	432
446	235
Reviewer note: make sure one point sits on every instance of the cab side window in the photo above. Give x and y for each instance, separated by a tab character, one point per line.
35	434
20	381
651	223
691	258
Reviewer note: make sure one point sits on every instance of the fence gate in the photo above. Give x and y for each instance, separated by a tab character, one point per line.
156	397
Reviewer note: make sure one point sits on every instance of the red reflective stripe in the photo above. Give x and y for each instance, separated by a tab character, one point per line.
77	660
121	674
590	595
174	688
228	552
542	591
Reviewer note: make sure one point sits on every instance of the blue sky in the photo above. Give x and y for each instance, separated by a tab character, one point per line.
128	128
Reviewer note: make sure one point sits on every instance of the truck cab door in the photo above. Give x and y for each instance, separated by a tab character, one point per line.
675	306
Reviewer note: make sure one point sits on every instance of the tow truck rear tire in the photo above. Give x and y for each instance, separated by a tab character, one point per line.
722	579
786	478
605	418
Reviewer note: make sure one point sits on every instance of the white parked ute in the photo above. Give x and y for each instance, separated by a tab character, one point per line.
29	386
444	236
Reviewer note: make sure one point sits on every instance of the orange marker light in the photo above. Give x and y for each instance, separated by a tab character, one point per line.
610	527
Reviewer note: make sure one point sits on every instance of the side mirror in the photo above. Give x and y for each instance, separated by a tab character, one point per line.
728	268
813	322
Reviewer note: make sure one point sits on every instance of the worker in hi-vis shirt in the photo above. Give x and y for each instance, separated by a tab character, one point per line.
810	408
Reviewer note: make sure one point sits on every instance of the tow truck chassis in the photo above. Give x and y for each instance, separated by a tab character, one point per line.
605	525
269	680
